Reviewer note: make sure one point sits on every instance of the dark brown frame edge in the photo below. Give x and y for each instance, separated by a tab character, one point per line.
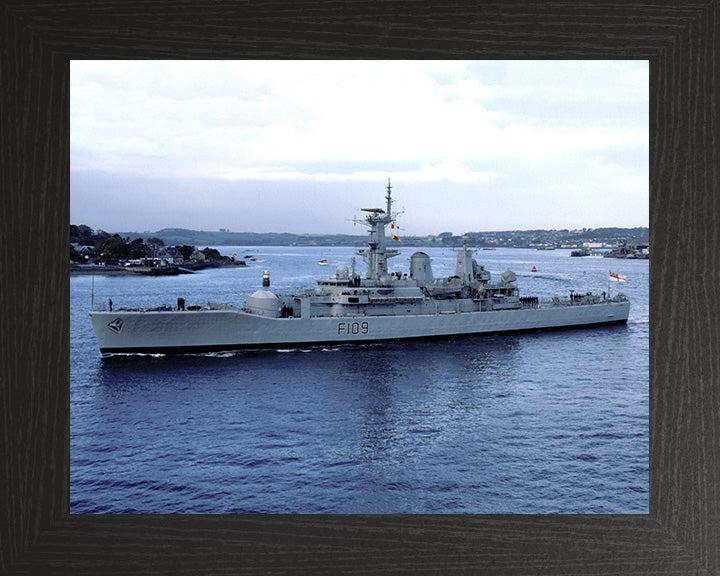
680	535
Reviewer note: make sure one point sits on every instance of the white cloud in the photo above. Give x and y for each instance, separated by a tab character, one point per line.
585	81
456	123
294	114
447	170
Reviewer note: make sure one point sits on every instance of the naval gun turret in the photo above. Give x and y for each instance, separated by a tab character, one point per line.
342	273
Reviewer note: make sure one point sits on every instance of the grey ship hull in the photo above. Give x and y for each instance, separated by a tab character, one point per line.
173	332
348	308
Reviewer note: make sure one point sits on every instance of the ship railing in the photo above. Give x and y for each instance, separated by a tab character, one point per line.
384	299
578	300
221	306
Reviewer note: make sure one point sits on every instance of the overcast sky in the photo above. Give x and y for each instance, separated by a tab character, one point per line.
294	146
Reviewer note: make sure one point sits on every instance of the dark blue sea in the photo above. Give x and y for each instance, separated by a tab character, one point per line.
540	422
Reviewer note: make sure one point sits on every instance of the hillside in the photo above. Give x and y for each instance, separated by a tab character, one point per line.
508	238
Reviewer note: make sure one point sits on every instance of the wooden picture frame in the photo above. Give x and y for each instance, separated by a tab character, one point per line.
680	535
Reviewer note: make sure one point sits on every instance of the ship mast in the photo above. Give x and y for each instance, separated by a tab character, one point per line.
377	254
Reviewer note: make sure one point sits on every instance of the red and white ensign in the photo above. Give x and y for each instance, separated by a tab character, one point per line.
616	277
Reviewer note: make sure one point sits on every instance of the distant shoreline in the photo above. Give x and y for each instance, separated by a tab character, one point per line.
115	270
504	239
112	270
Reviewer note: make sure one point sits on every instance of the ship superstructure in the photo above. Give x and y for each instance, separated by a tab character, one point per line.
350	307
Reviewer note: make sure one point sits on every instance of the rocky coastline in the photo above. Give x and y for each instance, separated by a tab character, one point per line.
118	270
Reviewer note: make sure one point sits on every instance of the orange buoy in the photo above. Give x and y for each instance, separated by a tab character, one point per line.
534	269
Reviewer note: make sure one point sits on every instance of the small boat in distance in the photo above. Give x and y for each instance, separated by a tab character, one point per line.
323	262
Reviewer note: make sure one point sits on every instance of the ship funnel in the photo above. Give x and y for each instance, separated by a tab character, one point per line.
420	268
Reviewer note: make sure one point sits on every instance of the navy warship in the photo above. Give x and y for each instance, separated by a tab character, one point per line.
357	308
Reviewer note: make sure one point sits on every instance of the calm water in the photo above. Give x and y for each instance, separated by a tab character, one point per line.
553	422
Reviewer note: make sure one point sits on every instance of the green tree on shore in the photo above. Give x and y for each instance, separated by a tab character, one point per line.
114	248
185	251
211	254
